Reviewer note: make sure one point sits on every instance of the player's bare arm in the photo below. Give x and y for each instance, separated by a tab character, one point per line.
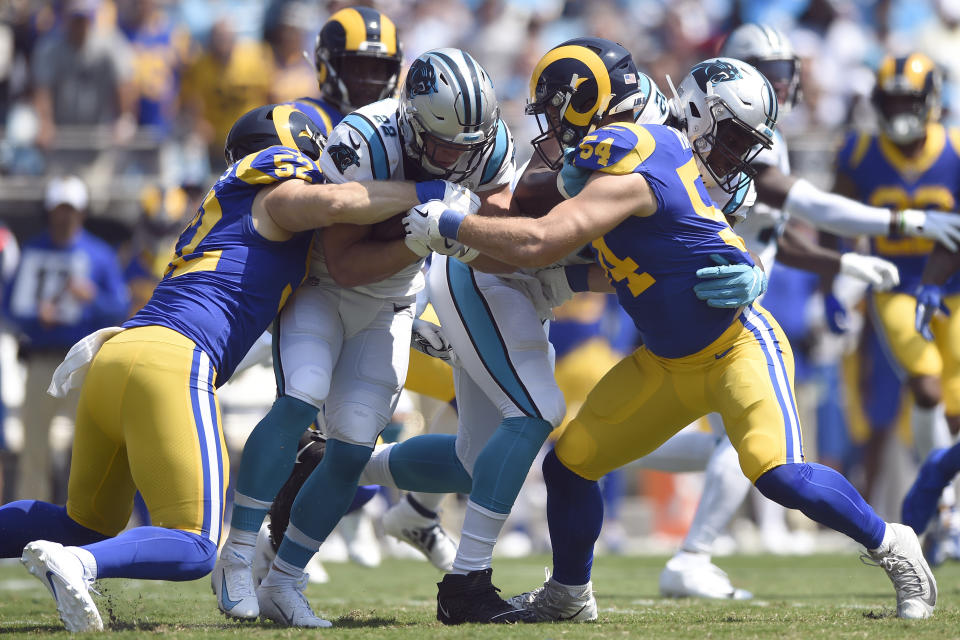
605	201
294	205
355	257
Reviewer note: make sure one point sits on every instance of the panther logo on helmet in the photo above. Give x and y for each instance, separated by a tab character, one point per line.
421	79
714	72
343	156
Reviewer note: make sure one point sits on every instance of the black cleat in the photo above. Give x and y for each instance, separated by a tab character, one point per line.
473	598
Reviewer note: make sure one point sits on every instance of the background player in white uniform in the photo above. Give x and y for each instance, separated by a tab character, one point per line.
343	340
764	229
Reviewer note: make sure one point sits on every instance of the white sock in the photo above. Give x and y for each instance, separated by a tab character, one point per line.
724	488
685	451
930	429
282	574
480	530
429	501
241	542
887	539
87	560
377	470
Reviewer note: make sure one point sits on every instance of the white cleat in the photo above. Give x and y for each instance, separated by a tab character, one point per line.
901	557
263	555
555	602
692	575
288	606
425	534
232	583
62	573
363	547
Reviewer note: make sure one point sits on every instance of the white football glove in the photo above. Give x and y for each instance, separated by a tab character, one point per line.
428	338
413	235
935	225
454	249
460	198
883	275
422	222
553	281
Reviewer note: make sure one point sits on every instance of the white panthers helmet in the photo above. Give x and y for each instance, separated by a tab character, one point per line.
448	113
768	49
653	108
728	111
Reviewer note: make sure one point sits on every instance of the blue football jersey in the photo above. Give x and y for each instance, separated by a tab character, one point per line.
885	178
652	261
226	282
324	115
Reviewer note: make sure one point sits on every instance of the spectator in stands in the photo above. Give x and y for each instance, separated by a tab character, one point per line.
9	257
293	75
82	77
68	284
160	51
228	79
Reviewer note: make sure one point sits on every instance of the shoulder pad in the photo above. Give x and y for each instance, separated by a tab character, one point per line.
616	148
275	164
358	148
854	147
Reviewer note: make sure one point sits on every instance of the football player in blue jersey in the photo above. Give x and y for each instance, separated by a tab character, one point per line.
148	417
343	342
913	164
646	213
765	231
942	464
357	56
506	392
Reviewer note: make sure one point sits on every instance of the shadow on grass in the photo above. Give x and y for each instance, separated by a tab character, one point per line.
32	628
359	620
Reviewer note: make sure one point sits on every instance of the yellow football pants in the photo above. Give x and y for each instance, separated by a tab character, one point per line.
148	419
746	375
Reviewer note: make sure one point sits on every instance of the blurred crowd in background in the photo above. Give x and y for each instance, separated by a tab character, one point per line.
136	97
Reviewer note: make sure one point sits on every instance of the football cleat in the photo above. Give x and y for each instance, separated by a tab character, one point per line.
288	606
473	598
264	553
900	556
425	534
232	583
942	541
691	575
920	503
62	574
557	602
363	547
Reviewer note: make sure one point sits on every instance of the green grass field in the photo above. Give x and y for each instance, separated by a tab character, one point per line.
822	596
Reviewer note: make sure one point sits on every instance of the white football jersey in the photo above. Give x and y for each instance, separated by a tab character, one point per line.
764	224
366	145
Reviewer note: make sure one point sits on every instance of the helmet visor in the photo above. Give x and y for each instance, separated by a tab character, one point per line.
784	75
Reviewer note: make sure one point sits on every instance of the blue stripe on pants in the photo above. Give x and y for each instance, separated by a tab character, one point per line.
477	319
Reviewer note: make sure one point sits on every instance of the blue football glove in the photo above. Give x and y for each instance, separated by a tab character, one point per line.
729	286
929	301
836	314
571	179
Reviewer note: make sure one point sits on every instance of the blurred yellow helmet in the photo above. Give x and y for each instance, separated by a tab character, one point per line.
907	96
